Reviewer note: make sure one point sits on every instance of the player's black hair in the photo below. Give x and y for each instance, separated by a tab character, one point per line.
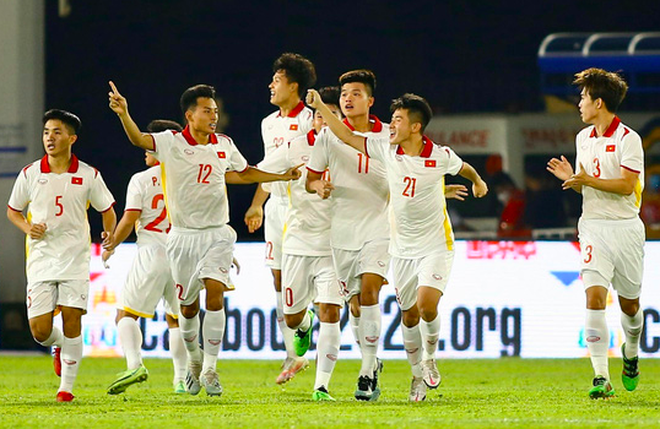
71	121
330	95
418	108
297	69
160	125
599	83
190	96
367	77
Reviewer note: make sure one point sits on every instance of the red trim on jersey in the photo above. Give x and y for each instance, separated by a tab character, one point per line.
610	130
111	206
244	170
294	112
426	150
630	169
73	168
132	210
625	131
366	151
314	171
16	210
26	168
376	124
45	168
311	137
213	139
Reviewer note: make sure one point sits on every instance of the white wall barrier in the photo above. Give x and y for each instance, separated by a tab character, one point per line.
504	299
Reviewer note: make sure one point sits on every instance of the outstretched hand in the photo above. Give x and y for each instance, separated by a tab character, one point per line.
118	103
561	168
576	180
457	192
293	173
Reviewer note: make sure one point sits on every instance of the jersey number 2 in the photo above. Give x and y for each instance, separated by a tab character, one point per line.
153	225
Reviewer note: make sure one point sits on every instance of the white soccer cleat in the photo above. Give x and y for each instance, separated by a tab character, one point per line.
211	383
192	378
430	374
417	390
290	368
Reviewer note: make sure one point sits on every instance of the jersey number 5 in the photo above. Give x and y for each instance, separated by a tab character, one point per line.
58	204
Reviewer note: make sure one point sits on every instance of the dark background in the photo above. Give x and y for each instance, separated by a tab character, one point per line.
462	56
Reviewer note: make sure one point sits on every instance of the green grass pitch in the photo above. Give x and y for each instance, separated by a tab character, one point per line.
503	393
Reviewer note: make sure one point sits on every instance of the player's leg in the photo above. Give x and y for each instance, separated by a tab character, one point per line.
41	301
213	330
354	315
597	335
299	292
369	334
72	350
632	321
130	338
189	326
178	351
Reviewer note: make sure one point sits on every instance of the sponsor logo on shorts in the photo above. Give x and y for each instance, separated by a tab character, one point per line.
214	342
223	270
305	158
593	339
381	264
437	276
331	357
189	151
83	297
43	181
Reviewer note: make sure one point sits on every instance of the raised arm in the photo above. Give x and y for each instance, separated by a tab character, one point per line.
254	175
337	127
119	105
479	187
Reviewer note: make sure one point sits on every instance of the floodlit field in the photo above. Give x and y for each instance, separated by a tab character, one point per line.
503	393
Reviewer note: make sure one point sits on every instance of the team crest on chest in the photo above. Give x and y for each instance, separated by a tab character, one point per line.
430	163
610	148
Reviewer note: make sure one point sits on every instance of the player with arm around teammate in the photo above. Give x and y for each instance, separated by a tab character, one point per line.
56	192
422	241
200	243
610	176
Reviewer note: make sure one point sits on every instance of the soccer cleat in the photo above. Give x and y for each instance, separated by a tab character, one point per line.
374	387
630	373
602	389
192	378
417	390
180	387
57	361
291	367
64	396
430	374
211	382
321	395
127	378
364	390
302	340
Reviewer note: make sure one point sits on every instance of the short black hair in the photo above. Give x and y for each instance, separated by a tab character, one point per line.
418	108
190	96
367	77
160	125
599	83
330	95
71	121
297	69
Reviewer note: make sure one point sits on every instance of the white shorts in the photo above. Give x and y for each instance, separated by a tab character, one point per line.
195	255
307	279
46	296
149	280
276	209
612	252
409	274
351	264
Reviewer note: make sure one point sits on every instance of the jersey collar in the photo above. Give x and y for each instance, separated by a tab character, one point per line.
73	168
376	127
426	150
609	132
311	137
213	139
293	113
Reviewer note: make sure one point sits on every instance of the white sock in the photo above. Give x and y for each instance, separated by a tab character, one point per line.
632	328
369	334
287	333
130	338
213	330
327	351
178	351
355	327
72	350
305	323
190	334
598	341
430	333
412	342
55	339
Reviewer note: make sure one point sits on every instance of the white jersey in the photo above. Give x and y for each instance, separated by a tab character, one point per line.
193	177
307	227
277	130
420	224
361	195
603	157
60	201
145	195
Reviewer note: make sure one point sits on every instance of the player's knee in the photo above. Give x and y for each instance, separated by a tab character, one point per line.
428	313
630	308
40	333
189	311
329	313
293	320
410	317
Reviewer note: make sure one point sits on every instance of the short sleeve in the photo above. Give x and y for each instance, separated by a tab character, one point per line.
454	163
162	144
134	194
100	196
632	154
236	160
318	160
277	162
20	194
376	146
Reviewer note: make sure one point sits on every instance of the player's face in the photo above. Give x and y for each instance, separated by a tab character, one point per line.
281	90
319	122
203	117
57	138
588	107
149	159
354	99
400	127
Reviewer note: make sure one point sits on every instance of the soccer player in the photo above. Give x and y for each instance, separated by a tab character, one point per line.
422	240
200	243
308	274
56	191
293	74
609	174
150	278
360	226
